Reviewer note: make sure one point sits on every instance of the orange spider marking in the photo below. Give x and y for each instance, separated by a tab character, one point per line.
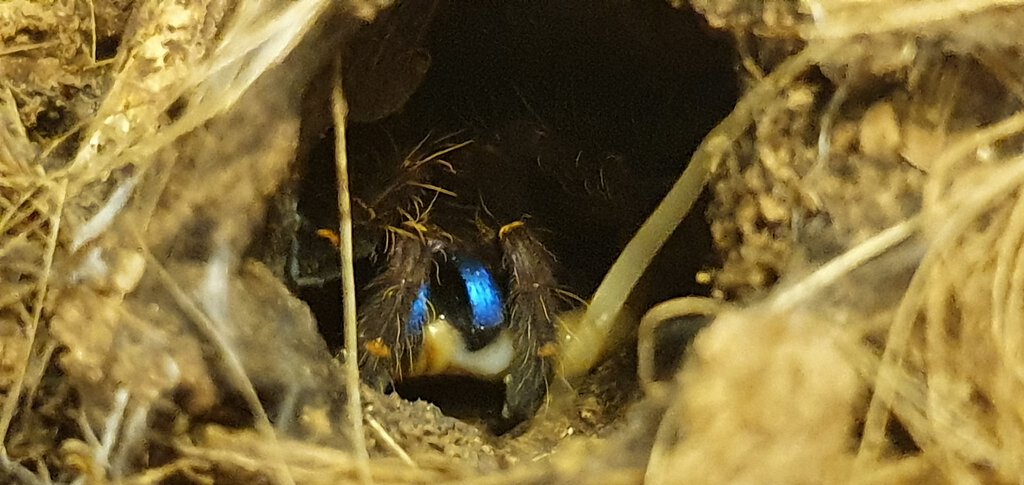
330	235
378	348
547	350
507	228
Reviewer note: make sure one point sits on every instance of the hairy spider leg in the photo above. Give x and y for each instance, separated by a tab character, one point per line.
534	302
419	314
387	348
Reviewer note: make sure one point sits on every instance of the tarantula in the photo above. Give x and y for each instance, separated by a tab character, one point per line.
461	292
462	283
580	119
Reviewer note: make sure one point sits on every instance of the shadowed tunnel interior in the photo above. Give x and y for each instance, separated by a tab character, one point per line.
600	105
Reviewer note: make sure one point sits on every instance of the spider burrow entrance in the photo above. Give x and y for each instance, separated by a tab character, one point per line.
567	117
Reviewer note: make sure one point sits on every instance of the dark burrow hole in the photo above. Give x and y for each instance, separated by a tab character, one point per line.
593	107
106	47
